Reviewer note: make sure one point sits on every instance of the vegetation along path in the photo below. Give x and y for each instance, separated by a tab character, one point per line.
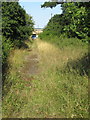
43	83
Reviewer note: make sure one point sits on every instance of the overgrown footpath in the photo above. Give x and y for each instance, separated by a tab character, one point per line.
47	81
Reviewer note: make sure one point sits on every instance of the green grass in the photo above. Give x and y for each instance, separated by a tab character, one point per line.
63	41
59	90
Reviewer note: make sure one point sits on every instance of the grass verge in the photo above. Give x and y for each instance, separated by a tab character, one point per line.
59	90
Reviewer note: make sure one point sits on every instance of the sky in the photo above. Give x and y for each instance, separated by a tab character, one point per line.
40	15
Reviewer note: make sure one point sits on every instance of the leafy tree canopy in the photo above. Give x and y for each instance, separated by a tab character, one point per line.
49	4
17	26
74	21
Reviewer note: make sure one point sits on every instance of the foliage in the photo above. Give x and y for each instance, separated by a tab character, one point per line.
15	23
49	4
55	25
17	26
75	16
52	4
6	47
62	41
73	22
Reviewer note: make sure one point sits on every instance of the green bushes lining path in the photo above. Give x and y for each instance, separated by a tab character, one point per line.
73	22
70	30
17	26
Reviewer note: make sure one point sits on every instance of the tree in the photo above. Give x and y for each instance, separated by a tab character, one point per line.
17	26
55	25
49	4
75	18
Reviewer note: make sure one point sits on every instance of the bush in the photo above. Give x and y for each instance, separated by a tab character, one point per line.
6	47
17	26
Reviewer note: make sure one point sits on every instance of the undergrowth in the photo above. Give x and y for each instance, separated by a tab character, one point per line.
60	90
63	41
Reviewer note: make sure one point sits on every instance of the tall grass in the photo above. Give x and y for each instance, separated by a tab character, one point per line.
62	41
59	90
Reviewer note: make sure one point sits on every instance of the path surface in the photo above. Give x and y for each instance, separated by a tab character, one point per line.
44	56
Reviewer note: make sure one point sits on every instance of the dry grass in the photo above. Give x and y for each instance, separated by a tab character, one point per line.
53	92
52	56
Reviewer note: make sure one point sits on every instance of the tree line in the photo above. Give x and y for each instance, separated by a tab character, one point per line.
73	22
17	26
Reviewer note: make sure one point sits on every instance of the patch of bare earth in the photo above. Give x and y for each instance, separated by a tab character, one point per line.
31	65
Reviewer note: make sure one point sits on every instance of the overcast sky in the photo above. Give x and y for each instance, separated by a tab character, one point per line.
40	15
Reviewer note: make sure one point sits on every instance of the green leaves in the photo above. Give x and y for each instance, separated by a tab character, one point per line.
49	4
6	47
17	26
73	21
14	19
